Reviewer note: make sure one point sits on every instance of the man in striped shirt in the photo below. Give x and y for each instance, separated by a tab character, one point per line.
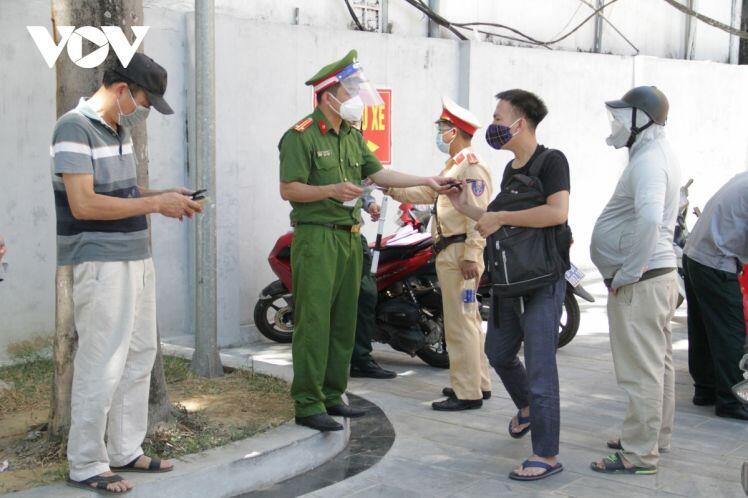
103	232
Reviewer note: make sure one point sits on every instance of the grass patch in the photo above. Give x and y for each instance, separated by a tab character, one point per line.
209	413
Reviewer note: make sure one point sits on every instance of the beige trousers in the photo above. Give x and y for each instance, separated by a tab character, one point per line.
468	365
115	316
641	342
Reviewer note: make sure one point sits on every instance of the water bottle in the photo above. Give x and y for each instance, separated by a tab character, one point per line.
468	297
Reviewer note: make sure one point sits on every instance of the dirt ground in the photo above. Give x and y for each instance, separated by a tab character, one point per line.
208	413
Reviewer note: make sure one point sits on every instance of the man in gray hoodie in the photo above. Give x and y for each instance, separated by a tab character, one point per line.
632	246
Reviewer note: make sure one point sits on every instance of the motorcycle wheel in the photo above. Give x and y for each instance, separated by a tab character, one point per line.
436	354
570	317
274	318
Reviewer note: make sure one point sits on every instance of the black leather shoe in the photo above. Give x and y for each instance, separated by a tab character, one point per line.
703	400
739	412
450	393
320	422
371	370
343	410
456	405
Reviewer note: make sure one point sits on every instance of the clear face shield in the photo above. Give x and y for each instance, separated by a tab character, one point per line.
354	82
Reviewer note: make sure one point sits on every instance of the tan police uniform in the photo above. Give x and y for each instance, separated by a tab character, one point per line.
468	365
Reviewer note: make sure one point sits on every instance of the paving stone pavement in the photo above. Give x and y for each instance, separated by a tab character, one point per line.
470	454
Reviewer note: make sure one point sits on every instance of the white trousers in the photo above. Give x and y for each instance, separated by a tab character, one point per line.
115	316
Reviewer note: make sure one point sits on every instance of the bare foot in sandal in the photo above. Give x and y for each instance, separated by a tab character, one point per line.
144	463
106	482
516	426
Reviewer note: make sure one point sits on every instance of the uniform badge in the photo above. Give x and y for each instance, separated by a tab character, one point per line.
478	187
324	153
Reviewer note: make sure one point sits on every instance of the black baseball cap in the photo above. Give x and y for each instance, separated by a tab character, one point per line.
150	76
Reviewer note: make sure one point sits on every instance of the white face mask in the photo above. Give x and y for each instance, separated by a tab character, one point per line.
620	128
351	110
440	143
135	117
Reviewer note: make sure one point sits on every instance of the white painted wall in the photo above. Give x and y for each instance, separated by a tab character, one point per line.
260	71
654	27
27	214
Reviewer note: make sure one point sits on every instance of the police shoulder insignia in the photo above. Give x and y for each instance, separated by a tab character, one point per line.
472	158
303	124
478	187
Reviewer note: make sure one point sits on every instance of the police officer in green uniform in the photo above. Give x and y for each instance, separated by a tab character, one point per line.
323	160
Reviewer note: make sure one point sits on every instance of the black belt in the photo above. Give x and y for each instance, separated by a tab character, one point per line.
345	228
657	272
444	242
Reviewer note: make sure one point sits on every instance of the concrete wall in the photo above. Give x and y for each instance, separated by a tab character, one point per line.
27	215
654	27
260	71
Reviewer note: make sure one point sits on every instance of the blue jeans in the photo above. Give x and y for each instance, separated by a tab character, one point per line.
536	386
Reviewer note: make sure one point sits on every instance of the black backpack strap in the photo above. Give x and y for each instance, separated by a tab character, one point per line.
538	163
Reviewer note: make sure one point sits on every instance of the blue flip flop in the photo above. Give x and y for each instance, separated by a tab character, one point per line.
549	470
520	421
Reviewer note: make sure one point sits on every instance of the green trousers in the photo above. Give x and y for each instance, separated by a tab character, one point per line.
326	266
367	307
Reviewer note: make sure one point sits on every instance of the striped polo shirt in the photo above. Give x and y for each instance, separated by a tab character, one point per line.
83	143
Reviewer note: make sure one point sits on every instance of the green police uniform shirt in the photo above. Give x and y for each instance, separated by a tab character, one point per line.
311	152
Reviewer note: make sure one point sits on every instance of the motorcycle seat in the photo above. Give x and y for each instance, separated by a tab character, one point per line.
396	253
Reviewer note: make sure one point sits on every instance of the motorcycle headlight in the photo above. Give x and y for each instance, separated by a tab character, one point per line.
741	391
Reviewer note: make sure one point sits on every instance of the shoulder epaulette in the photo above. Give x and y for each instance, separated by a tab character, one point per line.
303	124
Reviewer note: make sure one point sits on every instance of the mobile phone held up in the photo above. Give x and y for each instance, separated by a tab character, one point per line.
201	197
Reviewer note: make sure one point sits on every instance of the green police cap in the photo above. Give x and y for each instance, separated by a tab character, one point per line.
334	73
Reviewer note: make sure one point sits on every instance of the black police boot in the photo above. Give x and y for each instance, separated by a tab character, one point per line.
456	405
450	393
320	422
371	370
343	410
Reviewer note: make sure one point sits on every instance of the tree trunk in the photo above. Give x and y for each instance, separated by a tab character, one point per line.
74	82
65	343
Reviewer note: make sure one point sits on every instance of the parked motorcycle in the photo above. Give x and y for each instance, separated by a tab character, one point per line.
409	309
741	392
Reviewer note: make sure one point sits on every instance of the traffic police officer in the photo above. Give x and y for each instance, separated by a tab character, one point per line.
459	249
323	160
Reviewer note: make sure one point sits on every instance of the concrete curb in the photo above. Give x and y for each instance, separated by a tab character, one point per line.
239	467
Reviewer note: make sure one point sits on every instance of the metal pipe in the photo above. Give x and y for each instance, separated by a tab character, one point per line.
734	40
598	45
690	32
206	360
384	16
433	27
